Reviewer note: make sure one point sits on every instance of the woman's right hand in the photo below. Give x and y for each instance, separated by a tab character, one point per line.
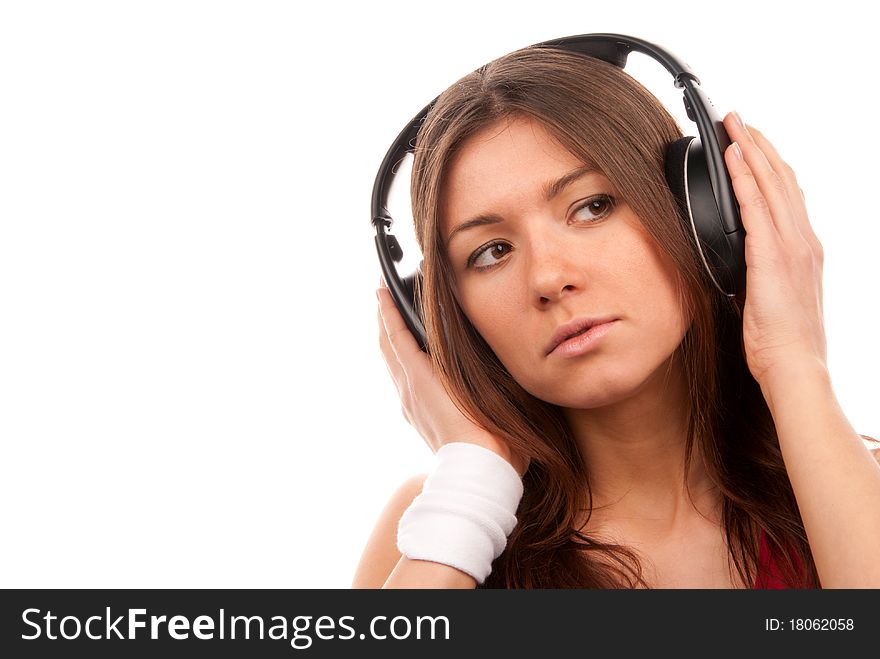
424	401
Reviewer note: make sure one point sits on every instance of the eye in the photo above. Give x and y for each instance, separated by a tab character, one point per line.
488	256
602	204
594	209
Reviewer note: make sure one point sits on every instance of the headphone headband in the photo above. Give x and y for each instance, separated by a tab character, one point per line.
615	48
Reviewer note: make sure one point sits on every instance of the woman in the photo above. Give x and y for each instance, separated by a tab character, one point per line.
689	440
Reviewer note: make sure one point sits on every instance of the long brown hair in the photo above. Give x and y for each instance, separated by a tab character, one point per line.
606	118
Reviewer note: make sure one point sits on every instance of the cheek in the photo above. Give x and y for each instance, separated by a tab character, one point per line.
663	287
495	316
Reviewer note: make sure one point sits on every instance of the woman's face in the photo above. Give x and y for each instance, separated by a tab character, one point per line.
541	257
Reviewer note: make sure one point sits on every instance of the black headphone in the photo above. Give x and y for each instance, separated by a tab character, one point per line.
695	172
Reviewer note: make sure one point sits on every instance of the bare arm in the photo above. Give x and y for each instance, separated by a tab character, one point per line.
382	566
425	574
429	409
835	478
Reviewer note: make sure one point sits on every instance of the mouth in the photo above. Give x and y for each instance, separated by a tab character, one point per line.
578	328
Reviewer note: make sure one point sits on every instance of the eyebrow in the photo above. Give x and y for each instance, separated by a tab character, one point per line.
551	190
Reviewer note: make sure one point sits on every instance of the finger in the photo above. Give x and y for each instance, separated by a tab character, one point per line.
395	370
397	367
772	187
795	193
391	362
401	339
761	236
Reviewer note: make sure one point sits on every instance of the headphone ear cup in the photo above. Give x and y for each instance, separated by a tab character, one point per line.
411	284
688	177
675	172
415	317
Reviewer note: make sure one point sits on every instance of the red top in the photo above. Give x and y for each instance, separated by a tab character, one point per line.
769	576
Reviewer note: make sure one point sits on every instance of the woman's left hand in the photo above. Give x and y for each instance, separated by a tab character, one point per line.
783	326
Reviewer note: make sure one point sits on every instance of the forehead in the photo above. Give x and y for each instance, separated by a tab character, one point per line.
510	159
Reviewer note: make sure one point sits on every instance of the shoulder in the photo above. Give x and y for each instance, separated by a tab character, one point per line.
380	554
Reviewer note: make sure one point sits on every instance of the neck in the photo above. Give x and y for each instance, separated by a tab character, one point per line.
634	455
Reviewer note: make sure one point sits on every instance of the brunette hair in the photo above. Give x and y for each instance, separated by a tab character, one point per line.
604	117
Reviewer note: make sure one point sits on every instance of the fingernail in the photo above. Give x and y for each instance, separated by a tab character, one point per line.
738	119
737	151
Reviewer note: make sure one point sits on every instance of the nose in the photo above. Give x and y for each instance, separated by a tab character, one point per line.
554	272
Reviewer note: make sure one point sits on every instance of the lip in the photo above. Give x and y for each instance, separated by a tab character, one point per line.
566	344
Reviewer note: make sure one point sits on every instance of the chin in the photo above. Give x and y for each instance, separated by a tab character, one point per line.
589	399
588	388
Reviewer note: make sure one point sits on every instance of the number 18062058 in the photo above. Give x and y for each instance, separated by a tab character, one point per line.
809	624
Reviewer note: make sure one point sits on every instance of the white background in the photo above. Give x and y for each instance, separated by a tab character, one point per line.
191	391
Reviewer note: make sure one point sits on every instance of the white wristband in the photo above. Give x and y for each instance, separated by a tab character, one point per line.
465	511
